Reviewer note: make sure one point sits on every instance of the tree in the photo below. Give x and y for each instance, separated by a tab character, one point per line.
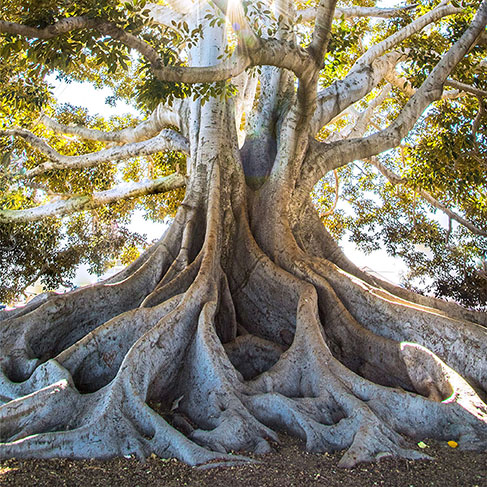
246	317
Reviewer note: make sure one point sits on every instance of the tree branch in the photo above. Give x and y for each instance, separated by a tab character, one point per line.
430	90
370	69
97	199
364	76
271	52
398	180
162	117
163	15
337	97
322	30
166	140
466	88
223	71
417	25
324	157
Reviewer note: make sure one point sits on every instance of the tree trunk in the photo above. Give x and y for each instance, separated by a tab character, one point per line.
243	320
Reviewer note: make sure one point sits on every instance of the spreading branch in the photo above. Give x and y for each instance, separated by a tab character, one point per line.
322	30
370	69
414	27
223	71
271	52
430	90
395	180
341	94
161	118
73	204
167	140
309	14
323	157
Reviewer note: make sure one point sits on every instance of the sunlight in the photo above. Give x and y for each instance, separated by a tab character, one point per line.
235	15
6	470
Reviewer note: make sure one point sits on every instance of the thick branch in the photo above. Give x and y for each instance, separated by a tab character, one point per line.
265	51
325	157
163	15
166	140
322	31
377	50
162	117
430	90
223	71
466	88
369	70
337	97
97	199
395	180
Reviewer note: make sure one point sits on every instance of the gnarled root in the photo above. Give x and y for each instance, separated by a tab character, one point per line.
208	347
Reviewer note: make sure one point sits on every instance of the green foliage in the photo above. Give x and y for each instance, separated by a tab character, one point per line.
51	250
443	156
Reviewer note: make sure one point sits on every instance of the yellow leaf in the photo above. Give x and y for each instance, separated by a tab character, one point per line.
452	443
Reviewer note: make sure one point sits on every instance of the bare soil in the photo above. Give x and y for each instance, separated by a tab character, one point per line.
288	466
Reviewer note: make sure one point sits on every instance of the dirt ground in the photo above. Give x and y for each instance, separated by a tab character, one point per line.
289	466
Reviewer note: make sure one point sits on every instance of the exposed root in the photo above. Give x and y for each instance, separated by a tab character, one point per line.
461	344
45	409
200	352
214	402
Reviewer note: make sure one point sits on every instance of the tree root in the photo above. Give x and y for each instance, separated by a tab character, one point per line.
214	352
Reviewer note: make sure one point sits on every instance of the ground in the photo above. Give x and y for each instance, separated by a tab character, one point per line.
290	465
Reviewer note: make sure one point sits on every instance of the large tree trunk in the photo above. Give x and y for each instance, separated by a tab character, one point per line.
241	321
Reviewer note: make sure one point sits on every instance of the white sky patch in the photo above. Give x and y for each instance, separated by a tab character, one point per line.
93	99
